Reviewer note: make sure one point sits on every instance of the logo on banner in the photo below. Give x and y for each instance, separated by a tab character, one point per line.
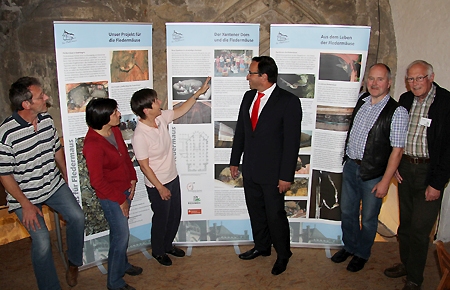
190	187
282	38
195	211
177	36
68	37
195	200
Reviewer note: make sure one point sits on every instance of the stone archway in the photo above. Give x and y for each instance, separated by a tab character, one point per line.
27	46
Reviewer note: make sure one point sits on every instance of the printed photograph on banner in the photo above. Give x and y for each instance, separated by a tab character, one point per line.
79	94
316	233
200	113
95	221
301	85
340	67
184	87
127	125
224	133
132	156
295	208
129	66
223	178
303	166
299	187
97	248
325	195
192	231
232	63
333	118
229	230
305	141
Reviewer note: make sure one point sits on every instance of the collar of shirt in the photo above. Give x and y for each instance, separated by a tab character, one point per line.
264	99
24	123
267	92
383	102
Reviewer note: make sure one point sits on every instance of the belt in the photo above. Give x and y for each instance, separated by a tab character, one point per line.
357	161
416	160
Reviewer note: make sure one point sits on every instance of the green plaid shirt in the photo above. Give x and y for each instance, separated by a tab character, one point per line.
416	140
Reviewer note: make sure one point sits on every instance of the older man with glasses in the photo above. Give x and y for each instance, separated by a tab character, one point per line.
423	171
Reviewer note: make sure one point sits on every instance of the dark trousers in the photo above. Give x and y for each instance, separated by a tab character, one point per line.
417	217
268	218
166	217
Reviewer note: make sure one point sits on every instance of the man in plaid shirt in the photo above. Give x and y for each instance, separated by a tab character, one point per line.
423	171
373	150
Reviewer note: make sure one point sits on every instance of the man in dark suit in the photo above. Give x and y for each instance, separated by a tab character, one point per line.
268	133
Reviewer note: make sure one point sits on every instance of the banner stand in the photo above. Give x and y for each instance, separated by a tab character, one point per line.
102	268
146	254
189	251
110	47
327	252
59	239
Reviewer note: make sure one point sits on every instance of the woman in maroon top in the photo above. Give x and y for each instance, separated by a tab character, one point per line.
113	178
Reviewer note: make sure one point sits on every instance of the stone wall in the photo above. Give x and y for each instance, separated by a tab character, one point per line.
27	43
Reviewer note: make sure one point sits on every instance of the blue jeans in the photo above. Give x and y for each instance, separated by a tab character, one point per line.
63	202
119	234
166	217
358	237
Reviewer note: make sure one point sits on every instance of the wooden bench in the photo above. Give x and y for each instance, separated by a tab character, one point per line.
10	226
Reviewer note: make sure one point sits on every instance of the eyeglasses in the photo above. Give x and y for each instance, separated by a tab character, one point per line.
417	79
253	72
39	98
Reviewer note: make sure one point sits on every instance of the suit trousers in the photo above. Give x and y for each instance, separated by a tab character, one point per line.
417	218
270	225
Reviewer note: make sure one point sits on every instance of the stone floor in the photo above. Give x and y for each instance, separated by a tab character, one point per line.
218	267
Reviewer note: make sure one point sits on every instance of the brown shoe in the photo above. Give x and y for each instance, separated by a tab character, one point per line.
72	275
411	286
396	271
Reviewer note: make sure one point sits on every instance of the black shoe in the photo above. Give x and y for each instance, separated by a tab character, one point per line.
411	286
163	260
341	256
279	266
396	271
253	253
356	264
134	271
177	252
126	287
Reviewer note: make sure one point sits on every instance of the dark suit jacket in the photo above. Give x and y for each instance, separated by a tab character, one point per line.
438	136
271	151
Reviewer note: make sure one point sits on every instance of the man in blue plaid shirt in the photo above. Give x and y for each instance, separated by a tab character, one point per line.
373	150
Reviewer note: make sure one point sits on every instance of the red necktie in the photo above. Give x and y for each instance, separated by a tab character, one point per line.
255	110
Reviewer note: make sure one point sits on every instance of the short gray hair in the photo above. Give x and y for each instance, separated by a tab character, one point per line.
424	63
